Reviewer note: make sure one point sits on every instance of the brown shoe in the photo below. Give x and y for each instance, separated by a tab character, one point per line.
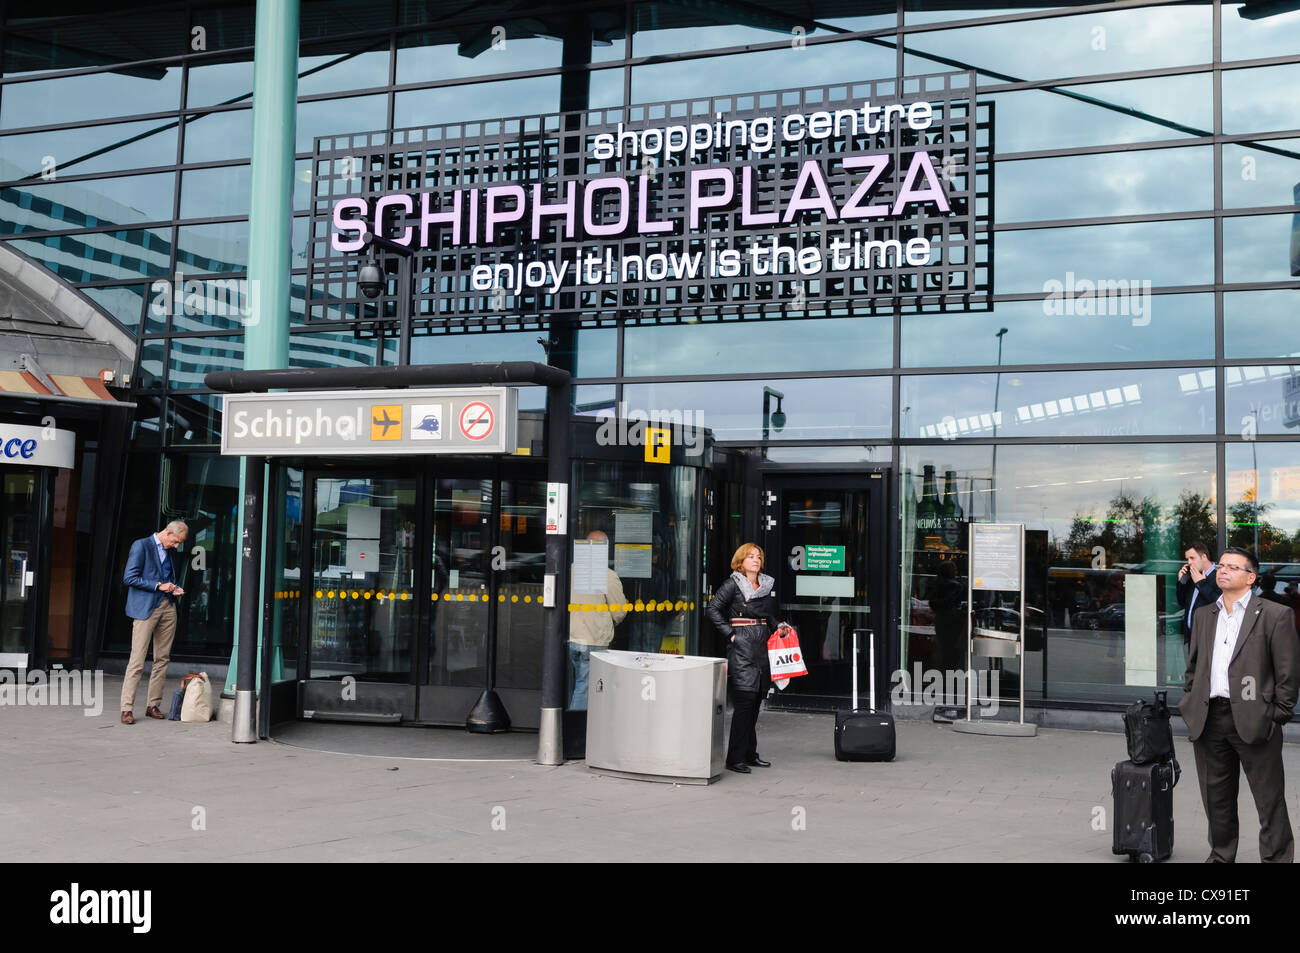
153	712
128	718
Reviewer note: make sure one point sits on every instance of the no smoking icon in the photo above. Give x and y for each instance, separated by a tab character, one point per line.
476	420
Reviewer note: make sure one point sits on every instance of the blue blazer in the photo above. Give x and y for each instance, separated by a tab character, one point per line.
144	571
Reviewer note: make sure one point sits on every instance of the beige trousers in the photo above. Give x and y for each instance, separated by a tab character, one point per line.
160	627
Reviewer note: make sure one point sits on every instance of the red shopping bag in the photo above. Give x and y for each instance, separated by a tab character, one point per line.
784	655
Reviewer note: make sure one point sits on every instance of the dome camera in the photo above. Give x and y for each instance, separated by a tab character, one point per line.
778	420
371	280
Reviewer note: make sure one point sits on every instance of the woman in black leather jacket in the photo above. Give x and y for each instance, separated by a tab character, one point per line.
744	611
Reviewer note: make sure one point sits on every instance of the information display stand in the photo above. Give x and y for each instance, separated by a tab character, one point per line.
997	559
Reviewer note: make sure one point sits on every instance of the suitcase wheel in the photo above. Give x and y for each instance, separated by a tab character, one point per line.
1145	859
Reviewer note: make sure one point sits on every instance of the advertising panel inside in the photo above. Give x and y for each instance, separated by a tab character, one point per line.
882	270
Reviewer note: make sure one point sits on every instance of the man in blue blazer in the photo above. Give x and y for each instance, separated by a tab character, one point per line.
151	601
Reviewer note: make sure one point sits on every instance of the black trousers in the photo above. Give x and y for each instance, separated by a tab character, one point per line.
1220	757
743	744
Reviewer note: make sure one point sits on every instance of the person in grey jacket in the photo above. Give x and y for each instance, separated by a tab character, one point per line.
744	611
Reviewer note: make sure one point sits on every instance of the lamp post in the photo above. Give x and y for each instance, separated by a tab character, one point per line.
772	420
1254	463
371	282
997	385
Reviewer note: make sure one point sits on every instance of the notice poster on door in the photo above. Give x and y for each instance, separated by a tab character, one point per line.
363	539
590	559
995	556
633	527
633	560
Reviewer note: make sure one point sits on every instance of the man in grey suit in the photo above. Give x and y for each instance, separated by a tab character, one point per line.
1243	676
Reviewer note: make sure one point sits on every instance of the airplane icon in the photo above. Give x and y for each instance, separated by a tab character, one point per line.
429	423
383	418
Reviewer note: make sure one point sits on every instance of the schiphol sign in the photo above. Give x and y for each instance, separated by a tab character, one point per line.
869	192
373	422
37	446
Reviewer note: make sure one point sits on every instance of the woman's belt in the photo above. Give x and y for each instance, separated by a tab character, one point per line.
744	621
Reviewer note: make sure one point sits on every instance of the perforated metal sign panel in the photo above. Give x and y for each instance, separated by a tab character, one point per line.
855	198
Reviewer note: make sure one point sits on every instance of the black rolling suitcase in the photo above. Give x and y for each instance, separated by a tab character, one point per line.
1143	822
864	734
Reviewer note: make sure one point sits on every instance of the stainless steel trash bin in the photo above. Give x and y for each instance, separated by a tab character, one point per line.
656	717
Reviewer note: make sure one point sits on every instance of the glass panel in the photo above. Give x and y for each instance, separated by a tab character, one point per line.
149	376
502	46
1255	175
363	579
920	11
520	620
70	493
462	541
191	358
96	256
90	96
203	490
1097	43
194	421
19	511
1261	100
674	28
215	193
89	149
123	304
1261	400
1133	401
595	349
814	344
334	116
1271	526
214	83
1261	323
330	350
644	514
517	97
1260	248
767	69
1116	183
1106	526
830	454
1276	33
1056	331
1055	119
336	70
302	192
288	595
201	304
835	408
1162	253
41	38
605	89
125	200
212	248
211	137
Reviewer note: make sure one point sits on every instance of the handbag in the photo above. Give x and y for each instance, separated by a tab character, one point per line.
178	697
198	699
1148	732
784	655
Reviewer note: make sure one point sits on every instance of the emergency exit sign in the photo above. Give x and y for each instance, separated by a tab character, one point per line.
826	558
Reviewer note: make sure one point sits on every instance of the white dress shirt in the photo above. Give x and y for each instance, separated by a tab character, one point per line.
1225	643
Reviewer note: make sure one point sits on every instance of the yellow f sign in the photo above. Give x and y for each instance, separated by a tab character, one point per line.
658	445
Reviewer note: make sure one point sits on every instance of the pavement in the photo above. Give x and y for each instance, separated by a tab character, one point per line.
85	788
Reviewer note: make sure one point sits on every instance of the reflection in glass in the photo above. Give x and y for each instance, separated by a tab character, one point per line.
124	304
1041	119
820	344
89	96
203	490
149	374
474	51
333	116
191	358
519	624
1262	400
89	149
288	573
194	420
462	543
93	203
1116	183
220	135
1258	248
1267	521
595	350
1254	37
1261	100
516	97
1105	525
95	256
1133	401
1261	323
1155	327
323	349
826	408
1255	175
222	246
214	193
1166	254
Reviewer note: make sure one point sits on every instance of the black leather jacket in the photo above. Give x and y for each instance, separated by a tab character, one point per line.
748	669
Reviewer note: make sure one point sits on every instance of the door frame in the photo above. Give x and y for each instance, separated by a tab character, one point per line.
38	562
882	522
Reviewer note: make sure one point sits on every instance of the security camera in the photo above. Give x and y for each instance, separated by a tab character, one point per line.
778	420
371	280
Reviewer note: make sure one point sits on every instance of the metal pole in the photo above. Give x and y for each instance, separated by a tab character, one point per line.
404	309
997	385
550	739
250	604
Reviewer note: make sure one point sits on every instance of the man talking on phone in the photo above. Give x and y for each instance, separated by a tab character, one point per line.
1197	586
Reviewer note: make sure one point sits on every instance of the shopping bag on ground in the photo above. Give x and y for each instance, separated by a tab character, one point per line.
784	655
198	700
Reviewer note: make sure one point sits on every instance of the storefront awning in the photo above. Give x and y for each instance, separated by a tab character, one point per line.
65	385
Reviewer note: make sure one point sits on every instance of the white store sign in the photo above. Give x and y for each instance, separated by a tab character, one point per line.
37	446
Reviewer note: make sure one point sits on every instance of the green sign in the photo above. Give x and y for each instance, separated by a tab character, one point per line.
824	557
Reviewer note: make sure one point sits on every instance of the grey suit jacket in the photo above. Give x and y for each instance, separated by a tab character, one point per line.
1263	674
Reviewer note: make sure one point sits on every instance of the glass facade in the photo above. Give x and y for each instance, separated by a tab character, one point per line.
1132	387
